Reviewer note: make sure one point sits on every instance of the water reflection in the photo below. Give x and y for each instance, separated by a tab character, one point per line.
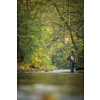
50	86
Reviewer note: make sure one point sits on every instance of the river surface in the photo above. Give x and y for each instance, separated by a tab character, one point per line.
55	85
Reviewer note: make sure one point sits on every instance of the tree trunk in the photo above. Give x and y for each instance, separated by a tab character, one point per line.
67	25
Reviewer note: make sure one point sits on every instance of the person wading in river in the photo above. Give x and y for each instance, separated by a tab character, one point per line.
71	57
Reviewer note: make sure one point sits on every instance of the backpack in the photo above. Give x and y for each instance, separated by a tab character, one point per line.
72	57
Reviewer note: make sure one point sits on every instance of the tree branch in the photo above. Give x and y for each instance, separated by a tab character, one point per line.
68	26
54	39
78	30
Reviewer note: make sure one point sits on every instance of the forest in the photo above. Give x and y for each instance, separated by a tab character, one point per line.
47	31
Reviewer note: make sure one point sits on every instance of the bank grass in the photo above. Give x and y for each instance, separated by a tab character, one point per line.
51	67
21	67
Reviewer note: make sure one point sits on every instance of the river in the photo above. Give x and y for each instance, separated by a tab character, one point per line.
55	85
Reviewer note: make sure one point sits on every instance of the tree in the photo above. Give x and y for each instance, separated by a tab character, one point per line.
28	31
47	29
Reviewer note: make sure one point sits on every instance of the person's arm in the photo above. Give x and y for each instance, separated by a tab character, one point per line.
68	57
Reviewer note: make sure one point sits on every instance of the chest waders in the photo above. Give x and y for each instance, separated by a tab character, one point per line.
72	66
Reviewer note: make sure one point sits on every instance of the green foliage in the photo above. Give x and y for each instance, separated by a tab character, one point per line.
28	34
80	52
60	58
41	58
43	33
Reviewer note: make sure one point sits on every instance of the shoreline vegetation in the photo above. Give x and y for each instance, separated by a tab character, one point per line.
23	68
27	69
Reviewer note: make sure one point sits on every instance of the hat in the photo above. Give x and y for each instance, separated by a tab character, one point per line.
72	51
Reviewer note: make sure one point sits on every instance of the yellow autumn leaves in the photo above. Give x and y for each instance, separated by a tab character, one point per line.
39	57
40	48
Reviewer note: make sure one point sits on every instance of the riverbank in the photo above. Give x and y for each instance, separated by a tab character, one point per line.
28	69
24	69
31	70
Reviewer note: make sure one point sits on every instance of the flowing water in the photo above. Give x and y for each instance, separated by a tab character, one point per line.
55	85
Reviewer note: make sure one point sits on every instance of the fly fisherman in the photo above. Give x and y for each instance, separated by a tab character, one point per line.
71	57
